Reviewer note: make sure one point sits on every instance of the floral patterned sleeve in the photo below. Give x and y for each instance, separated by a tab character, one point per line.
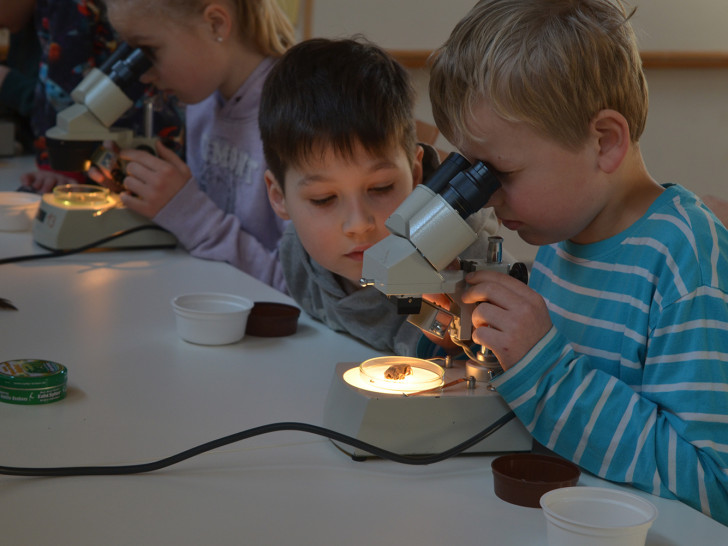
76	37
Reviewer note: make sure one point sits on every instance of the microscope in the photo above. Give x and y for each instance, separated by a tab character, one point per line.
99	100
428	232
73	216
415	406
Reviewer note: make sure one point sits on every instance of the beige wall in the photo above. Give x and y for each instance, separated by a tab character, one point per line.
686	140
424	24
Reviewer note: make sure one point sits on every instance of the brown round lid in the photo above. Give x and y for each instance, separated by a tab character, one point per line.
272	319
522	478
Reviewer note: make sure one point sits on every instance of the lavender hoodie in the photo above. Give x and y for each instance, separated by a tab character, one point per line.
223	213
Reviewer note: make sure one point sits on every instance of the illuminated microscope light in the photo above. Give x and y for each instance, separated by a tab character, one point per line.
371	375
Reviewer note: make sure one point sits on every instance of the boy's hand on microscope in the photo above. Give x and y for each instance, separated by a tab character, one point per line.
510	317
152	181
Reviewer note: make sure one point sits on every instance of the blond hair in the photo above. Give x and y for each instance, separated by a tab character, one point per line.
552	64
267	24
262	23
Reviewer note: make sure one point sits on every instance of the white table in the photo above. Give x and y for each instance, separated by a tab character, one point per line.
138	393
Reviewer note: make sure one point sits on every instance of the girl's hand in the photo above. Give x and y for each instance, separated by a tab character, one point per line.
510	318
151	182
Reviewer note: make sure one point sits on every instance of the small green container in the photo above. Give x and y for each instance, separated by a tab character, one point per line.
32	382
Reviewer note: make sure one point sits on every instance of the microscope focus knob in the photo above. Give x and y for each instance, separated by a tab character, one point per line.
519	271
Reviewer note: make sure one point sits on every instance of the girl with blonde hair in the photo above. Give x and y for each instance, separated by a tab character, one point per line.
214	56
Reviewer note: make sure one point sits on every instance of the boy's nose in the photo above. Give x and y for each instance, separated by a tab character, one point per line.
359	219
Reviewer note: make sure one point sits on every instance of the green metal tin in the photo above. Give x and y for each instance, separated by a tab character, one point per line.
32	382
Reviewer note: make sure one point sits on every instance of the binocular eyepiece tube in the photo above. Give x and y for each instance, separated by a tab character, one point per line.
465	187
126	68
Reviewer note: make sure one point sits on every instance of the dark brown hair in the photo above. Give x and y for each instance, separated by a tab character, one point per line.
334	95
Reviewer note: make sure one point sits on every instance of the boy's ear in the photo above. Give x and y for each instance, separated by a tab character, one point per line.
275	195
612	132
417	166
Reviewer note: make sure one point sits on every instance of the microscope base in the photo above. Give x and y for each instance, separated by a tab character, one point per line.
59	226
423	424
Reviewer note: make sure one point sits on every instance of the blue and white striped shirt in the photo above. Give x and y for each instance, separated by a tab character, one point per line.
631	383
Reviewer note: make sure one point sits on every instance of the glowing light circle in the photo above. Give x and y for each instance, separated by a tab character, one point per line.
424	375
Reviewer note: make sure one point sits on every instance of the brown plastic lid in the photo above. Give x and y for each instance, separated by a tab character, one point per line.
272	319
522	478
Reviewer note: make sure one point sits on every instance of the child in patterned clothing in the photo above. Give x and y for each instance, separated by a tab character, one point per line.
75	37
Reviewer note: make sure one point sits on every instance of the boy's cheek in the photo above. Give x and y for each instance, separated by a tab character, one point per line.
315	242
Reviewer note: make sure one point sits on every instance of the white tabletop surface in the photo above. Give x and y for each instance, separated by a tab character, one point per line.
138	393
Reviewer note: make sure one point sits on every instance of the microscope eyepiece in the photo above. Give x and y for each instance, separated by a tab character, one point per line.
121	52
470	189
466	188
127	71
450	166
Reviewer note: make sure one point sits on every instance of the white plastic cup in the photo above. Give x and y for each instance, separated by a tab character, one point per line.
17	210
211	318
596	516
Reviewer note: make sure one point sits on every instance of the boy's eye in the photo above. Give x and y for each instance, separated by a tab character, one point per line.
323	201
383	189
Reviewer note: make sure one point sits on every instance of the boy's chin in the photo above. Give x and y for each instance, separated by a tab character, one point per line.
351	275
536	239
354	280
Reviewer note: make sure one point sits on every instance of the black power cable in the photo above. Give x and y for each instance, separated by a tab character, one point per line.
91	246
257	431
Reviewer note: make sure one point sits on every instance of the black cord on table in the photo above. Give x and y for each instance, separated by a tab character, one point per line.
257	431
90	246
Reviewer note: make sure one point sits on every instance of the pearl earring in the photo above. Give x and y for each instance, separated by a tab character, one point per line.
219	39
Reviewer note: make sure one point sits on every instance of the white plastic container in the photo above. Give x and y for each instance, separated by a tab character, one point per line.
211	318
596	516
17	210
